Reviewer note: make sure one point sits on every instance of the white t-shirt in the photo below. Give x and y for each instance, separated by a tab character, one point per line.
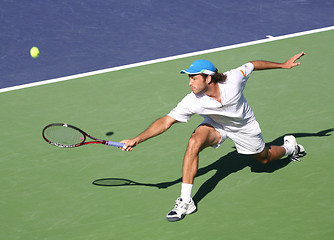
233	113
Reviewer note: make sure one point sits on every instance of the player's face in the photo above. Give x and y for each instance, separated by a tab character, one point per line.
197	83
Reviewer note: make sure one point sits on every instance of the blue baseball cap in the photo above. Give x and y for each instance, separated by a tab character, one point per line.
201	66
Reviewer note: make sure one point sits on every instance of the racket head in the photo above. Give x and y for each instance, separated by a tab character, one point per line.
64	135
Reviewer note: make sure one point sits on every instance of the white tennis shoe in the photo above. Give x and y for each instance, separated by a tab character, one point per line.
180	210
298	150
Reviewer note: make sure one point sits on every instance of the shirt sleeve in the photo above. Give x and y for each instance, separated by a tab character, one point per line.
246	70
240	75
182	112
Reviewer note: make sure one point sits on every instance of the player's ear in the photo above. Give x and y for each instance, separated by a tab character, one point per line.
208	79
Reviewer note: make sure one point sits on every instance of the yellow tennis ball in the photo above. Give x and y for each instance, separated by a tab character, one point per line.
34	52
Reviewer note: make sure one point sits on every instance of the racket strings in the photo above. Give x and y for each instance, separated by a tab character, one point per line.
64	135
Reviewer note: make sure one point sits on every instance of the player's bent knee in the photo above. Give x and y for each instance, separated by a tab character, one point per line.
262	157
263	161
195	143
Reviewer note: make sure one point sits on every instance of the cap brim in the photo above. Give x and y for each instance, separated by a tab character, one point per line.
187	71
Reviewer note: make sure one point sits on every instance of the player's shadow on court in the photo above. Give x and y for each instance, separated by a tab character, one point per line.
224	166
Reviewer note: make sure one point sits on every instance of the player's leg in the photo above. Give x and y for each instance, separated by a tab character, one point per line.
290	148
270	153
204	136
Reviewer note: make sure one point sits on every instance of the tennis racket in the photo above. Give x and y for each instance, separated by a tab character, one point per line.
68	136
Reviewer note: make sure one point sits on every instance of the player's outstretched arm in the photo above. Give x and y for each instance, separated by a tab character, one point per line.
159	126
290	63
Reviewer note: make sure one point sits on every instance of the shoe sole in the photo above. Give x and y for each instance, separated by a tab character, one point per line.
301	154
175	219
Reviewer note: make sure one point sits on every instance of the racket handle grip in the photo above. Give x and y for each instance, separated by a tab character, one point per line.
115	144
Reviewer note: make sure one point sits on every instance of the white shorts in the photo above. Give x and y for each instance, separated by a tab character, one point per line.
246	142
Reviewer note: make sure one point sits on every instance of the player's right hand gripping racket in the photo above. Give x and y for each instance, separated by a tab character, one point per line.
68	136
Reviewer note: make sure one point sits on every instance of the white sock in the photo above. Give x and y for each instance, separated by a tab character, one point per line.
186	189
288	150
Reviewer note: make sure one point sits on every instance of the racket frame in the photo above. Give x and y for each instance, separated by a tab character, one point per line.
84	134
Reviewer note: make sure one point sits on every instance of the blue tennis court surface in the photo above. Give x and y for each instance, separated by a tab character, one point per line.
82	36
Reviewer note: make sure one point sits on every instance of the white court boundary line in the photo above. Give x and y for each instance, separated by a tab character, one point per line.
159	60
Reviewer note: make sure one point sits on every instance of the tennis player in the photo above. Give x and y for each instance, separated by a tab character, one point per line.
218	97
